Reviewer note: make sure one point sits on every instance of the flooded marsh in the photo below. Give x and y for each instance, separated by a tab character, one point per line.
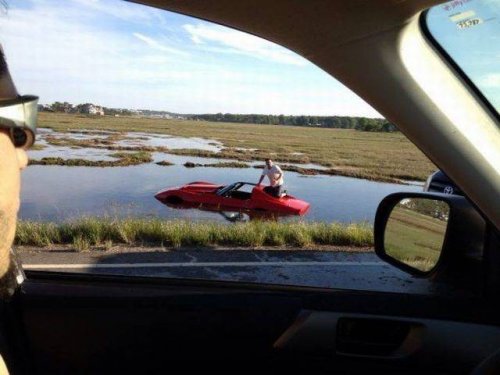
66	185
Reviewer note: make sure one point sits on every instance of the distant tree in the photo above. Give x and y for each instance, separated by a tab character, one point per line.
62	107
388	127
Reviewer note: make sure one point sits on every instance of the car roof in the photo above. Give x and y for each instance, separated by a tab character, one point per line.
284	21
379	50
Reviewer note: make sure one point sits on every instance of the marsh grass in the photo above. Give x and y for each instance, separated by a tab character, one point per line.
90	232
99	143
240	155
37	147
165	163
123	159
229	164
132	158
376	156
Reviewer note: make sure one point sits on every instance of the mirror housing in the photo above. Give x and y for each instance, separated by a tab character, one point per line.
463	239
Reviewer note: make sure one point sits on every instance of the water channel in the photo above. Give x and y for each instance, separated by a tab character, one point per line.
58	193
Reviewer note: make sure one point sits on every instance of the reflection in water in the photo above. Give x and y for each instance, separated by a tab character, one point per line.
229	214
415	232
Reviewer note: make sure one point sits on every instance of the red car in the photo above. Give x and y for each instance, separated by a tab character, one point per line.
234	196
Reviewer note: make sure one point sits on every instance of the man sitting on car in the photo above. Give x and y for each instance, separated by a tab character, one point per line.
275	175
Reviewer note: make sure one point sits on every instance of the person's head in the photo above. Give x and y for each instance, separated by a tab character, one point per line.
13	158
269	163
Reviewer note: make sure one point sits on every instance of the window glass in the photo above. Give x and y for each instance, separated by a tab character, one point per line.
146	116
468	30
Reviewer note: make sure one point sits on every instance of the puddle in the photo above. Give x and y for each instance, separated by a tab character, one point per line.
132	140
160	140
135	139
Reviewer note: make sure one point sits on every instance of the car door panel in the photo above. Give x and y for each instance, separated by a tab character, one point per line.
80	324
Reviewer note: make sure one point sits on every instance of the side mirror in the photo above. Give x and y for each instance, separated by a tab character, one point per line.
422	233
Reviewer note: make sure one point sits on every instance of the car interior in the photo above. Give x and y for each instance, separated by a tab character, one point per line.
60	323
236	194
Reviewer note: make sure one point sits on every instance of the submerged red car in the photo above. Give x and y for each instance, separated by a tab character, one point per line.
239	195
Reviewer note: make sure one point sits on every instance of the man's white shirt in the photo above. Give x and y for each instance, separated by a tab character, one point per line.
272	173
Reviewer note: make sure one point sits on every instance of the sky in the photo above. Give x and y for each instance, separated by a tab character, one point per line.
124	55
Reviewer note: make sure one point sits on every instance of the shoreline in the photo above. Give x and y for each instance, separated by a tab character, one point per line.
124	249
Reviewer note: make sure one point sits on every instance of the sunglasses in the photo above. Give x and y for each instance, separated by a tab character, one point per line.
19	116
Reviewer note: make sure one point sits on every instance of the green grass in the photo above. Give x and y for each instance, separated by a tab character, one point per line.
414	238
87	232
377	156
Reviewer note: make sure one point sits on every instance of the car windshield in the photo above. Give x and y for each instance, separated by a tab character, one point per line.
468	31
223	190
137	101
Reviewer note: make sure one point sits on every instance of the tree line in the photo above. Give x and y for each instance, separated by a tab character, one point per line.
339	122
85	108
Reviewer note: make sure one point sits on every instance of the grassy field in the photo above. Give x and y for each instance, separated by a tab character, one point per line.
376	156
85	233
414	238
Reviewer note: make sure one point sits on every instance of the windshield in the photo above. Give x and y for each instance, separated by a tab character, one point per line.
223	190
136	102
469	32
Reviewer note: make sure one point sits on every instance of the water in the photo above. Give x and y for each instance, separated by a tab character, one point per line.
136	139
161	140
58	193
71	153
